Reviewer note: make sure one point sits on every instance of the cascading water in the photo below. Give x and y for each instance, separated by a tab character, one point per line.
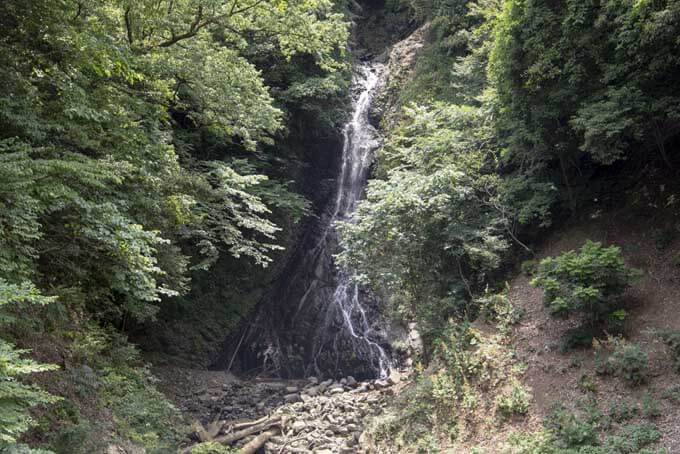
360	139
316	320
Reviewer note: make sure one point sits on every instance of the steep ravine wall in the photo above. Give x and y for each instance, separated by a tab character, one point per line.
291	331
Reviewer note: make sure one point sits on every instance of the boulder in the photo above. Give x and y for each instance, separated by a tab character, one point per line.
291	398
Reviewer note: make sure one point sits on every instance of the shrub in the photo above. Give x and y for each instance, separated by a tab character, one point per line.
580	337
141	413
572	430
616	322
672	394
586	384
529	267
497	308
621	358
587	282
542	442
650	406
632	438
621	411
514	402
16	398
672	340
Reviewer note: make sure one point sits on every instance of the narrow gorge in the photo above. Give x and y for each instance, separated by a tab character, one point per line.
318	321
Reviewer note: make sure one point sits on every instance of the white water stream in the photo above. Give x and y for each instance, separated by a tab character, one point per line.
360	139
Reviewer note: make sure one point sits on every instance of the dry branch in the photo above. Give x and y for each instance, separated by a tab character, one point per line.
254	427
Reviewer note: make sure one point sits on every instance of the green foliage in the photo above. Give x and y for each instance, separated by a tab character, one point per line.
109	113
579	337
587	282
603	100
632	438
529	267
120	123
574	430
515	402
141	413
621	410
17	398
497	308
587	384
540	442
672	340
212	447
426	232
467	366
623	359
650	406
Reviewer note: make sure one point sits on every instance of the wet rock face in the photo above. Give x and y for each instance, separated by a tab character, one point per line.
316	320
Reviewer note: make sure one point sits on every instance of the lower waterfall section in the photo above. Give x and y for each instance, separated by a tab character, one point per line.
316	320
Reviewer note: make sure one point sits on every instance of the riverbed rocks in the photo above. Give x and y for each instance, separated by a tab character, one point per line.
316	417
331	422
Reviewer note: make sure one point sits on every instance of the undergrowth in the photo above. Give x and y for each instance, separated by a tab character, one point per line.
450	400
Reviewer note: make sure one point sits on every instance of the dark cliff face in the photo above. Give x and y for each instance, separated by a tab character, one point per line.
279	337
294	331
191	330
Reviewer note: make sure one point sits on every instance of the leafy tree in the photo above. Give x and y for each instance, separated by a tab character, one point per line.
106	110
424	232
588	282
138	144
582	84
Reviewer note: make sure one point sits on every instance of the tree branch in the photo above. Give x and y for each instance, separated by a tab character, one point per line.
128	26
194	28
200	23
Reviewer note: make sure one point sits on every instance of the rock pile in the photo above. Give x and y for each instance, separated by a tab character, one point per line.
313	416
328	417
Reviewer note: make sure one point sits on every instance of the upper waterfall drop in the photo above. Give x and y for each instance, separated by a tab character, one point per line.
360	139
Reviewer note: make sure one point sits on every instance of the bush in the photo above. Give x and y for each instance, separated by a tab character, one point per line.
586	384
587	282
514	402
672	339
497	308
579	337
578	435
620	411
672	394
529	267
621	358
632	438
542	442
572	430
17	399
650	407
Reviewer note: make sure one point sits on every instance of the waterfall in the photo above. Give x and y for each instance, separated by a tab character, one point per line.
360	139
316	320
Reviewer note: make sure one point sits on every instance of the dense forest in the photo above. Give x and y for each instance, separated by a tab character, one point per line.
161	162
